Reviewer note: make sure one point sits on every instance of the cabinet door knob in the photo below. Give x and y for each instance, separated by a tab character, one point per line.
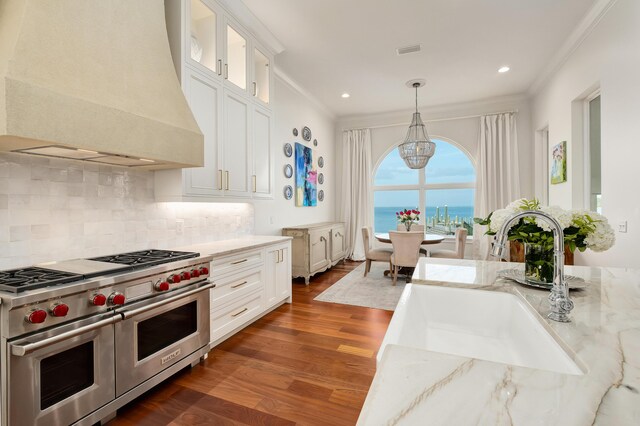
219	67
254	183
227	179
255	89
226	71
220	179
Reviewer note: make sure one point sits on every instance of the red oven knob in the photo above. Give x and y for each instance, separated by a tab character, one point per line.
59	310
116	298
204	270
174	279
161	286
36	316
98	299
185	275
195	273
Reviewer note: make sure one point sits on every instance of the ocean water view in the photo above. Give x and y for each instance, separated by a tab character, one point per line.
385	217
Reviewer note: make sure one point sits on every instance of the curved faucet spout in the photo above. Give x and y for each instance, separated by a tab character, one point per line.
561	304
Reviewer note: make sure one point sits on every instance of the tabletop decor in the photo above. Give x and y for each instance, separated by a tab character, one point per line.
582	229
408	217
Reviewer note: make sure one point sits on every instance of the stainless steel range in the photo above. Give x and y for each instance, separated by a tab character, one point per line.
83	337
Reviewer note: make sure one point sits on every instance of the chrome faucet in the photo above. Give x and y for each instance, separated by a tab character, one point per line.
561	304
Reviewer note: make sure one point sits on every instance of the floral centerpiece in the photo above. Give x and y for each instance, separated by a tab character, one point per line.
408	217
583	230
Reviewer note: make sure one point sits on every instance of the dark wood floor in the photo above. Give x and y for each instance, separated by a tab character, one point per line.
308	363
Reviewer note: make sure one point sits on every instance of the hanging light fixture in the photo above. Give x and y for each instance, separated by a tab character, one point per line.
417	148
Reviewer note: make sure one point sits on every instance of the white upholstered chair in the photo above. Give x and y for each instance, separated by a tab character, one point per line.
458	252
406	250
373	254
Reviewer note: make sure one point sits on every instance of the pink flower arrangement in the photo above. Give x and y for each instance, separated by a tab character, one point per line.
405	215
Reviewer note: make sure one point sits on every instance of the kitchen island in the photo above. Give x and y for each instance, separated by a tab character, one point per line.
417	387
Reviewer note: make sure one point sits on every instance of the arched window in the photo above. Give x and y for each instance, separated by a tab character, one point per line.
443	191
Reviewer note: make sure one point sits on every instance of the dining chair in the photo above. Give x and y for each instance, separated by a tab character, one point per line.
458	252
406	250
373	254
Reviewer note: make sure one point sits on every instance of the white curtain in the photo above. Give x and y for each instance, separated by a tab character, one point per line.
356	188
497	177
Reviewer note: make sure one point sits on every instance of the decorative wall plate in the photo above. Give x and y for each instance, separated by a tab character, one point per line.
295	132
315	142
288	192
288	171
517	275
321	178
306	133
321	195
288	150
320	162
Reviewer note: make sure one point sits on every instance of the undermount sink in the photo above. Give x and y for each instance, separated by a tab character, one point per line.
486	325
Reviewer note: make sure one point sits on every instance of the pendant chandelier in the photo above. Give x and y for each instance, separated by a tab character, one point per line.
417	148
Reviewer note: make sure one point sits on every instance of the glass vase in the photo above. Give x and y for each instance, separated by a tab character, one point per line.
538	263
408	224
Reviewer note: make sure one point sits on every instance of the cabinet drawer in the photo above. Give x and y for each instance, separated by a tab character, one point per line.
236	285
224	320
223	266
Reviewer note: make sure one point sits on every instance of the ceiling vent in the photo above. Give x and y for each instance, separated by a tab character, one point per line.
408	49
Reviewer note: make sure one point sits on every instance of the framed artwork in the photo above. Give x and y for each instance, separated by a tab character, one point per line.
306	177
559	163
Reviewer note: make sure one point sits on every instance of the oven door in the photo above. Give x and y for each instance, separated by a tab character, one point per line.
157	333
57	377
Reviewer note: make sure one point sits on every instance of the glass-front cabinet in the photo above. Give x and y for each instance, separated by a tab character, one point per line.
203	37
261	75
235	67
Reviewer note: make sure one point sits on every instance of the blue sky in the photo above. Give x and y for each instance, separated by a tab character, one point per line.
448	165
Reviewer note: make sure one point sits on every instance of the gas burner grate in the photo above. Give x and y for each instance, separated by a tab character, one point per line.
146	257
19	280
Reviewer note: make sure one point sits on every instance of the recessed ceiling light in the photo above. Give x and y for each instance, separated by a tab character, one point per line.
346	95
504	69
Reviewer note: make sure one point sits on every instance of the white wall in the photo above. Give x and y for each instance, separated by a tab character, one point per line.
608	58
294	109
54	209
388	130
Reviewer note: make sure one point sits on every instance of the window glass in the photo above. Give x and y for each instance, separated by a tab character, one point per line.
594	155
387	203
445	197
393	171
448	209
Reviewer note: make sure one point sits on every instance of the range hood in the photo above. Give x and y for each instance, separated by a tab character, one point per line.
93	80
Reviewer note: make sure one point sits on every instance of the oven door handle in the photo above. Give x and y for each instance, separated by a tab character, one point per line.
22	350
146	308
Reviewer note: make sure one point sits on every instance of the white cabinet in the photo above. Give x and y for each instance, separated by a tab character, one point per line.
248	284
225	74
278	275
315	247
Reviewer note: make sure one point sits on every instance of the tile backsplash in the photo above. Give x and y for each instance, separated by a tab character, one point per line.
55	209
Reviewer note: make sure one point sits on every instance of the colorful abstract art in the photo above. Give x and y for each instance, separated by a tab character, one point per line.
559	163
306	177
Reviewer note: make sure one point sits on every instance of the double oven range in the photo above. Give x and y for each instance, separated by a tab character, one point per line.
83	337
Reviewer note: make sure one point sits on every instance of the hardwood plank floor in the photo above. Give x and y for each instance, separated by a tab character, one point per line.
307	363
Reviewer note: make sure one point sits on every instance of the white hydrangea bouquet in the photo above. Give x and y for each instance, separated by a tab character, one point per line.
583	229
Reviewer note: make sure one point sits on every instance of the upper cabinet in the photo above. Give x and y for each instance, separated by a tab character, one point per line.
226	77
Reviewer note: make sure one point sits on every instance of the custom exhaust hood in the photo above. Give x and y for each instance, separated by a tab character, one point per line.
93	80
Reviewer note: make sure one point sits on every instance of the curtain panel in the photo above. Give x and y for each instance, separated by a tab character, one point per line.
356	188
497	177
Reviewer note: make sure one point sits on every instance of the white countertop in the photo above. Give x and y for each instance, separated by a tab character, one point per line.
235	245
418	387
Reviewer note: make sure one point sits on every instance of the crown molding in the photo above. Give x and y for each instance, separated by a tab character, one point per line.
285	78
575	39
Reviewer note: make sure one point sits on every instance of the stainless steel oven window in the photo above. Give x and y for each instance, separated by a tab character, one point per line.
163	330
65	374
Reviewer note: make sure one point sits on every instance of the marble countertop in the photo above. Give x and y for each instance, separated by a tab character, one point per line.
418	387
235	245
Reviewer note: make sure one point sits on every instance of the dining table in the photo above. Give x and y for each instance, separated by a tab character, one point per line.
426	239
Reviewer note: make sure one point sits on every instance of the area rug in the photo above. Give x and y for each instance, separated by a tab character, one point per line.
373	291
